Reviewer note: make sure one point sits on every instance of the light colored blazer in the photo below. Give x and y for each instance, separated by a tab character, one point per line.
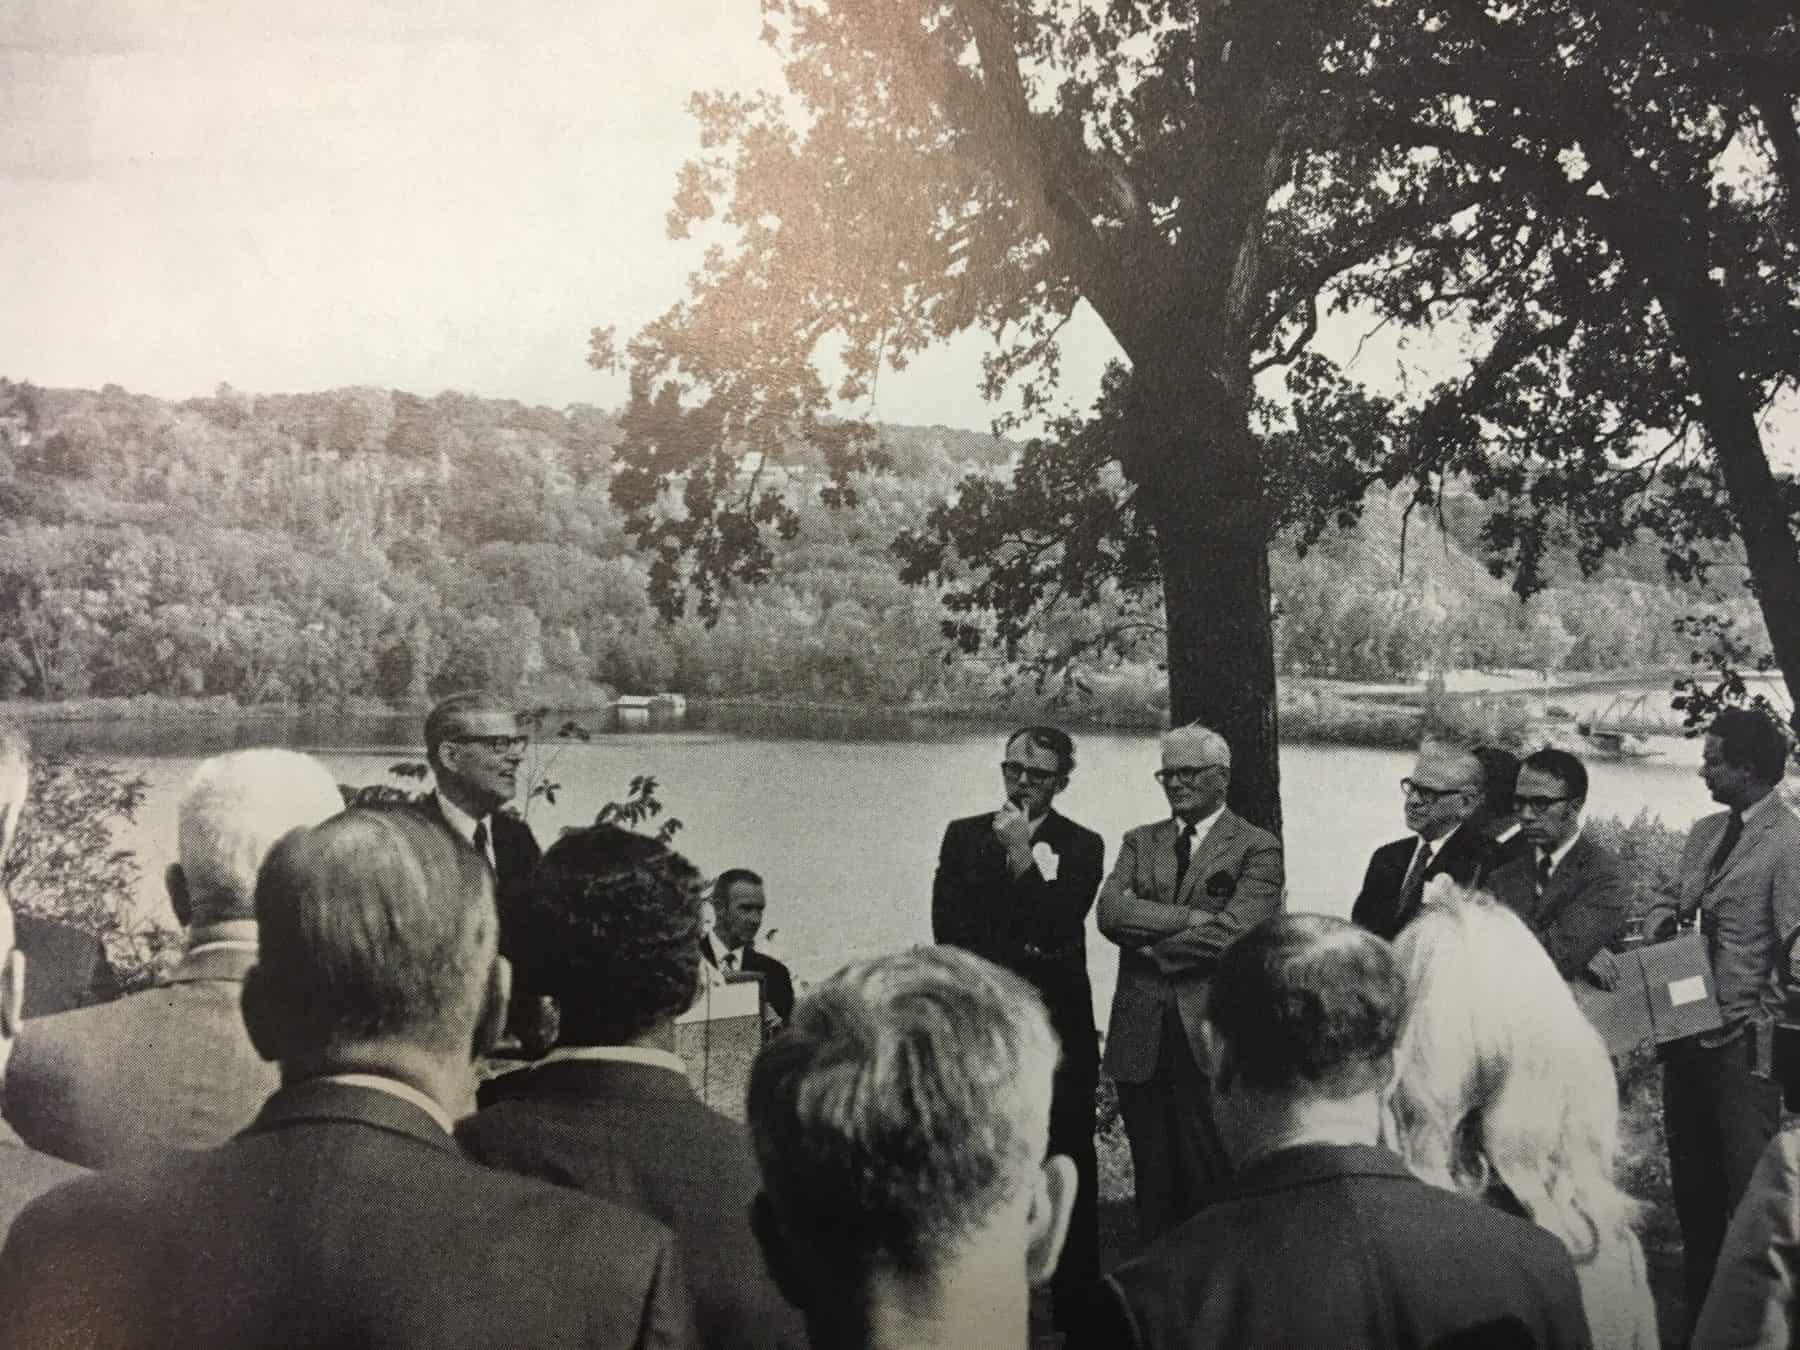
129	1081
1235	873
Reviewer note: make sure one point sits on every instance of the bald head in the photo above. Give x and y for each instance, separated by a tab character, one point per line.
1445	787
233	810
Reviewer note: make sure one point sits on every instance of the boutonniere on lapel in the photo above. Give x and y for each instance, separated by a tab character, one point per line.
1221	886
1045	858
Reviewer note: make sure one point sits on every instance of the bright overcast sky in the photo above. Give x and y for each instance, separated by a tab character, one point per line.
419	194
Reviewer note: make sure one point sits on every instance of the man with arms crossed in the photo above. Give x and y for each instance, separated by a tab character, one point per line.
901	1127
173	1067
1323	1238
1740	874
345	1215
1183	890
1443	791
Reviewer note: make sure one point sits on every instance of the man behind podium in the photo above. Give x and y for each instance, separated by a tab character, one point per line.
611	940
345	1215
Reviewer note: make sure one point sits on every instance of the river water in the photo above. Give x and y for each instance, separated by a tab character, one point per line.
842	815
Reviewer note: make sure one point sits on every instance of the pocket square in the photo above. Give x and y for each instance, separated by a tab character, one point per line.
1221	885
1045	858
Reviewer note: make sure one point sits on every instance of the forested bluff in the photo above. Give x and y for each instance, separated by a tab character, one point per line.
368	545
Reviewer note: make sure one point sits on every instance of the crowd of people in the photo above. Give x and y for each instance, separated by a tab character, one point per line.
414	1080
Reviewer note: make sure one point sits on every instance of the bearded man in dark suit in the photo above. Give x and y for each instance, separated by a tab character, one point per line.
1444	790
1015	886
474	747
1183	890
345	1214
612	941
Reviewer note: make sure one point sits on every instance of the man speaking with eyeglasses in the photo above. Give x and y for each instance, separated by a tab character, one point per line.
1443	791
474	747
1574	893
1183	890
1015	886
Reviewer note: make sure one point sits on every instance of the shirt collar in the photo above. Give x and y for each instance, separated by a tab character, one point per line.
1202	826
616	1054
1561	851
460	820
233	935
1433	845
1750	813
406	1092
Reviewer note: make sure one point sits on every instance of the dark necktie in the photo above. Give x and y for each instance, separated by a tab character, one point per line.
730	963
1184	852
481	837
1414	884
1727	841
1543	875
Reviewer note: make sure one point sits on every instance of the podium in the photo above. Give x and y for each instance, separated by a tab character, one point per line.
718	1039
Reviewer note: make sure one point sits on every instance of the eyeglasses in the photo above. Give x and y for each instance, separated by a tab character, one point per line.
1185	777
1431	794
1537	803
1036	777
500	745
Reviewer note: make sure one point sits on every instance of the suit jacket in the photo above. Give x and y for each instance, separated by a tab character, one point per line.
1234	874
26	1174
1033	926
1585	906
1750	906
637	1134
1463	857
1334	1245
128	1081
778	985
343	1217
516	856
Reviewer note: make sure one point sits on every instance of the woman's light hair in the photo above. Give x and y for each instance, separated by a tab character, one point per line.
908	1098
1500	1078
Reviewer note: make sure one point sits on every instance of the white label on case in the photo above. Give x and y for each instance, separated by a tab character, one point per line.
1690	990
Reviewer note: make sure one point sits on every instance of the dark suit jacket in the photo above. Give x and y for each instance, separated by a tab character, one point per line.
1464	858
516	856
778	985
1585	906
1032	926
342	1217
1327	1245
637	1134
26	1174
1235	874
128	1081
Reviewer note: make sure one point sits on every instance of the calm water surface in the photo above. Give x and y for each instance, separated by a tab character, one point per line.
843	816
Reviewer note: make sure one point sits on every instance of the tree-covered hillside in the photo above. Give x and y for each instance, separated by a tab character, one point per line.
366	543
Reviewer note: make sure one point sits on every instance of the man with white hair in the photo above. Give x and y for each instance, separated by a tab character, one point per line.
1183	890
24	1172
900	1127
173	1067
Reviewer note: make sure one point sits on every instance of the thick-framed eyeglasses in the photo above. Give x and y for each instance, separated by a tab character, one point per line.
500	745
1185	776
1429	793
1537	803
1025	773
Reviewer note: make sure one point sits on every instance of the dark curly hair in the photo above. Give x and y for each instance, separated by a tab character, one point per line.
613	933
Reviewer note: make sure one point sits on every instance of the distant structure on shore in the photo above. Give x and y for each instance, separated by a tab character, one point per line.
640	710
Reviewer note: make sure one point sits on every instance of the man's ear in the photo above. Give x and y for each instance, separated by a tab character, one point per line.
787	1267
490	1026
179	899
262	1018
1047	1224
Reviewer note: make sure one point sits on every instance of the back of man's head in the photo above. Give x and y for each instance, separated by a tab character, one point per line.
908	1099
1751	739
1308	1007
612	934
377	925
233	810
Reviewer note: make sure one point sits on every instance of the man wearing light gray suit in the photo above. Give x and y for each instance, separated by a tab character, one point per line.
1740	874
1183	890
173	1067
24	1172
